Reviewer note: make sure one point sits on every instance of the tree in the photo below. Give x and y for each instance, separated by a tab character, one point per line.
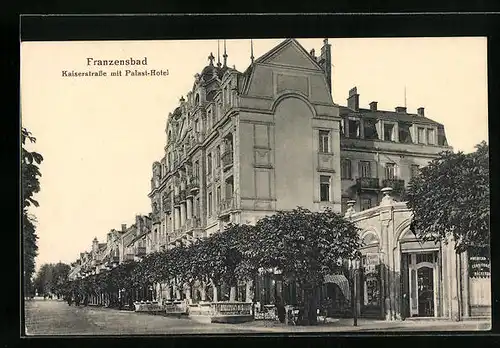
60	274
304	246
30	185
451	197
43	279
51	278
219	258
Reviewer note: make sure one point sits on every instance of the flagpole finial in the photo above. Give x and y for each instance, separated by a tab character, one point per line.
225	54
251	50
218	53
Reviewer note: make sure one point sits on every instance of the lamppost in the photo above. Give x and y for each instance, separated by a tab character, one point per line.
355	263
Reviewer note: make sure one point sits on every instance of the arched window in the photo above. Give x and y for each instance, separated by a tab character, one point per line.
197	99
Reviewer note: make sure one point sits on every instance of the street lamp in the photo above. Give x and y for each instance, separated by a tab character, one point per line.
355	263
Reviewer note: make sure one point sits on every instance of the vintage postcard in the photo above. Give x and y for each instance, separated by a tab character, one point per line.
255	186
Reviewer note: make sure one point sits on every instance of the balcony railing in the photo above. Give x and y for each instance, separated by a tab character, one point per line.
193	185
182	195
398	185
140	251
226	205
194	222
368	183
177	199
227	159
179	232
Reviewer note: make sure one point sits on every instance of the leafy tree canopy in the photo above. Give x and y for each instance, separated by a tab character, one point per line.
304	245
451	197
30	185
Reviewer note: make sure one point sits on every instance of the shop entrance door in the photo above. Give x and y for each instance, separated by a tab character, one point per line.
423	284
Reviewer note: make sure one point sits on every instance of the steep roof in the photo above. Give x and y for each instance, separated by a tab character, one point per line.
284	44
387	115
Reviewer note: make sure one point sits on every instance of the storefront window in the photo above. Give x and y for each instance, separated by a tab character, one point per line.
371	280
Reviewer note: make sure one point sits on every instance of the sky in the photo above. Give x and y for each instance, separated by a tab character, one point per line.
100	135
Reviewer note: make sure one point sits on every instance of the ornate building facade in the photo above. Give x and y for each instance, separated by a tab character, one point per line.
243	145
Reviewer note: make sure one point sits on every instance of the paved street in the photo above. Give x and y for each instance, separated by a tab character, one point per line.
51	317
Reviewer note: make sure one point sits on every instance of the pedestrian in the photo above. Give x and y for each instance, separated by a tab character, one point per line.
280	308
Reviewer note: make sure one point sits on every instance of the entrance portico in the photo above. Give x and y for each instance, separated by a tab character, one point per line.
403	277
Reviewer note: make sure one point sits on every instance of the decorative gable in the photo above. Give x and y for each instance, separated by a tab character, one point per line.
290	53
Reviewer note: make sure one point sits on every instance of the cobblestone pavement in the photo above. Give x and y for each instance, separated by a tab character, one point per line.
52	317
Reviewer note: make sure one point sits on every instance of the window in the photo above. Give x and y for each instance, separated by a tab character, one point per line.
430	136
196	169
364	169
197	207
388	132
353	129
324	141
210	203
209	164
324	184
196	126
217	196
209	121
404	133
421	135
390	171
217	156
366	203
170	161
370	129
345	169
413	170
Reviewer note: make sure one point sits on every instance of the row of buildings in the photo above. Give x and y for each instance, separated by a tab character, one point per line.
243	145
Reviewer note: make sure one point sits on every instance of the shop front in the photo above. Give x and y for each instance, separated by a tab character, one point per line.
402	277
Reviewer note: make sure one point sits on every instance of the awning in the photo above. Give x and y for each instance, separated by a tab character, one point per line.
341	282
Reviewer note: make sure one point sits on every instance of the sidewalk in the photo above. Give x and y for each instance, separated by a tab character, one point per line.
346	325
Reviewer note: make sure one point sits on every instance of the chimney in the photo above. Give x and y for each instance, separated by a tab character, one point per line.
325	61
420	111
124	227
373	106
401	109
313	53
353	100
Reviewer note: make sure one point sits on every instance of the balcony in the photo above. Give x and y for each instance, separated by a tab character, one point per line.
140	251
225	206
193	185
227	159
217	174
167	205
368	183
193	223
182	196
178	233
177	200
398	185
